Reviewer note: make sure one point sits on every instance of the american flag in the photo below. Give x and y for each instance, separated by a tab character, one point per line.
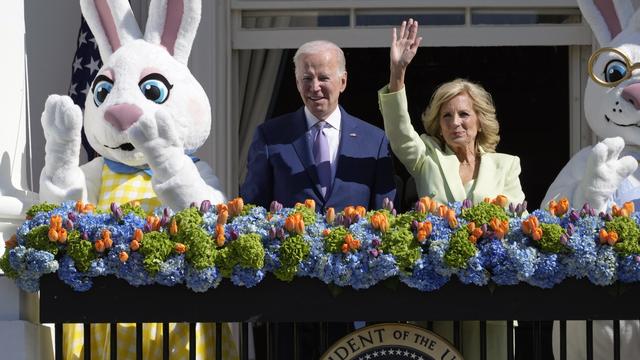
86	64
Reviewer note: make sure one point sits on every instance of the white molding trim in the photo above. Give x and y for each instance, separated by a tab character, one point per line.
548	35
386	4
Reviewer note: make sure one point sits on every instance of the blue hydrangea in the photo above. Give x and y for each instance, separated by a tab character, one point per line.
424	277
603	270
72	277
202	280
171	271
246	277
549	271
629	268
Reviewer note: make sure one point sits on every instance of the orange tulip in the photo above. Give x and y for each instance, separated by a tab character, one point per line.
477	232
235	206
471	226
108	243
138	235
473	239
421	208
345	248
180	248
53	235
501	201
326	232
361	210
629	206
11	242
123	256
173	228
99	246
299	226
310	203
106	234
223	216
427	227
134	245
330	216
537	234
613	238
62	235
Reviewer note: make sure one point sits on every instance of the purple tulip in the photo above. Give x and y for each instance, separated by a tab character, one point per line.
592	212
233	234
205	205
512	208
69	225
164	220
608	217
374	252
72	216
414	224
146	228
272	233
637	258
564	239
356	218
165	212
484	228
574	216
85	235
519	209
570	229
466	203
375	242
275	206
385	203
113	207
280	233
393	212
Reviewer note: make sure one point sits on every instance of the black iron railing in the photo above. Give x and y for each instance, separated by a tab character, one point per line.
309	300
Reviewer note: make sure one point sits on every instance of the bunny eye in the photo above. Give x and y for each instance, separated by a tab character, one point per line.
155	87
615	71
101	89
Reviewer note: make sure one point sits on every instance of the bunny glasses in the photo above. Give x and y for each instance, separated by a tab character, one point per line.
618	69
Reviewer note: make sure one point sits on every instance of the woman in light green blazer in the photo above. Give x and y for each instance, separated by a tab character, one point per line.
456	159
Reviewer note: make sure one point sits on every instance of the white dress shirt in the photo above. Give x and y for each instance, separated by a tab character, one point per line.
331	130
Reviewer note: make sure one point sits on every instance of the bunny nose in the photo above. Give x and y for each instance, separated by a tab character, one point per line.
122	116
631	94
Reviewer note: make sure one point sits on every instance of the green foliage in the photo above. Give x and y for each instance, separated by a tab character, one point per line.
200	246
550	241
156	248
6	267
483	212
81	251
130	208
308	215
628	234
44	207
246	209
405	220
188	217
38	238
333	242
460	249
293	250
246	251
400	243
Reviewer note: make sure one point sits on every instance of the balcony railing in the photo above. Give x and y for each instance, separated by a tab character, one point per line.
309	300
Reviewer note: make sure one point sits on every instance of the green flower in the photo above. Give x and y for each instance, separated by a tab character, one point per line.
400	243
628	234
293	251
38	238
246	251
44	207
81	251
483	212
6	267
308	215
550	241
156	248
333	242
136	210
460	249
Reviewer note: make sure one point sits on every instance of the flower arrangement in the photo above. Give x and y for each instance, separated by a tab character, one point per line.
199	246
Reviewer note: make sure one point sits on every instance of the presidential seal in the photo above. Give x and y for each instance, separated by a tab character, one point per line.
392	342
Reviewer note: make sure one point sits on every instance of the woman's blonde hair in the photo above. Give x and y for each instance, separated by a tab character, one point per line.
488	128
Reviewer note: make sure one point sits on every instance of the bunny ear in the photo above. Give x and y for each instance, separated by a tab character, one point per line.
112	23
607	18
173	24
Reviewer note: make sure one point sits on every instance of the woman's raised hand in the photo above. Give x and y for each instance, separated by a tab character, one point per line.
404	46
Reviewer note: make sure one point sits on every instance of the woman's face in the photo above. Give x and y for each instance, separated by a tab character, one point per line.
459	122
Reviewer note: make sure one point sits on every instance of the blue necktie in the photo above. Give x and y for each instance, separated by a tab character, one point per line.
321	157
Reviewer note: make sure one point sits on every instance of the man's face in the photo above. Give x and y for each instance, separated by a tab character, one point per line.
319	82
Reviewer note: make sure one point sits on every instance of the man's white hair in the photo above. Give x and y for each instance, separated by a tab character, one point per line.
321	46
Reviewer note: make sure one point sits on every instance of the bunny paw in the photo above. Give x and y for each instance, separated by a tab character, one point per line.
61	119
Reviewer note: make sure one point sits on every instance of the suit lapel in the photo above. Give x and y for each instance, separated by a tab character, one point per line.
450	167
303	149
349	140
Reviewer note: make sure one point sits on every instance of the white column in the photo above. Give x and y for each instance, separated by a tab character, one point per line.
21	335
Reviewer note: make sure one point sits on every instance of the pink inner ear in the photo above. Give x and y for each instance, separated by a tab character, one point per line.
608	12
175	10
109	26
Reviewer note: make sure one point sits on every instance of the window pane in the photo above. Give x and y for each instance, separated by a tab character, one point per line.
295	19
424	17
525	17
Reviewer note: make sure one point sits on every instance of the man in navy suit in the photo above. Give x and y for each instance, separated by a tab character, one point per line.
283	160
319	152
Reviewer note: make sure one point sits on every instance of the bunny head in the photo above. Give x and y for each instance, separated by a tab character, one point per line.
612	95
142	75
